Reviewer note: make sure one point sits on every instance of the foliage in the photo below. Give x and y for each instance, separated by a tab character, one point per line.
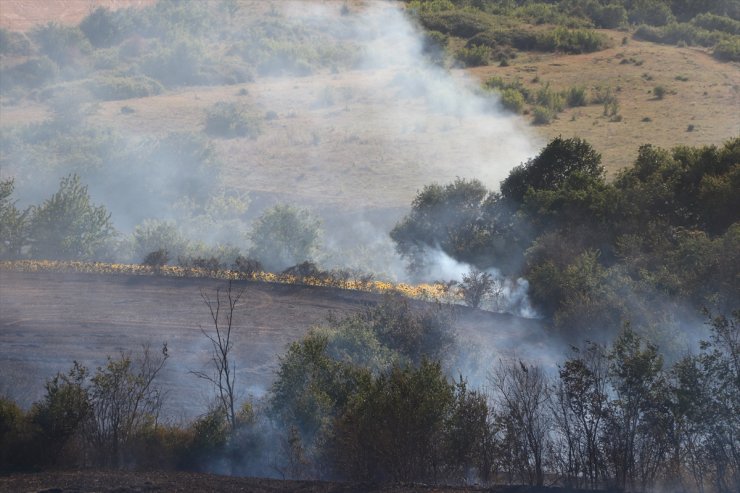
116	88
398	420
550	169
68	225
474	56
63	45
571	40
475	286
283	236
158	242
231	120
13	222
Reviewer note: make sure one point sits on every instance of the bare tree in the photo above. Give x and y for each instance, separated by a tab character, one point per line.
579	408
223	373
523	393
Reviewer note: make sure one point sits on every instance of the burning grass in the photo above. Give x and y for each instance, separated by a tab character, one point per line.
425	292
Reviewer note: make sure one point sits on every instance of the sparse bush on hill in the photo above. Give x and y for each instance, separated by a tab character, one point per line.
231	120
571	40
117	88
103	27
31	74
728	50
63	45
474	56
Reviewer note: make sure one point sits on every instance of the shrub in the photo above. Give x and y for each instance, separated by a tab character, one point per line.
728	50
64	45
550	99
576	96
157	258
475	286
180	64
102	27
31	74
231	120
117	88
608	16
157	240
474	56
13	43
659	92
571	40
713	22
461	23
653	13
283	236
512	100
246	266
542	115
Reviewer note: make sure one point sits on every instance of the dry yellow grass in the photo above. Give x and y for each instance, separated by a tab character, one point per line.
350	154
709	100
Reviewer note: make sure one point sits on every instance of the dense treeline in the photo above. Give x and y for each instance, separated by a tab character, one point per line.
370	398
496	30
661	235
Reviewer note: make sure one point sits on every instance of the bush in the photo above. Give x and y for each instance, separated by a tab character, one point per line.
474	56
712	22
654	13
552	100
542	115
31	74
64	45
157	258
728	50
102	27
576	96
13	43
231	120
460	23
609	16
180	64
157	241
117	88
512	100
283	236
659	92
571	40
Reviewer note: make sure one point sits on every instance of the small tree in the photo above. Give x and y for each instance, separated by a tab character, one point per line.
13	222
284	236
125	401
68	225
475	286
223	372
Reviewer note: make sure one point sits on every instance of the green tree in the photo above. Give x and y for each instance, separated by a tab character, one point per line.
639	418
392	429
284	236
13	222
550	169
61	415
68	225
445	217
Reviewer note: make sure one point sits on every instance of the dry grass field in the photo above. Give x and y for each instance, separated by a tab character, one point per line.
366	147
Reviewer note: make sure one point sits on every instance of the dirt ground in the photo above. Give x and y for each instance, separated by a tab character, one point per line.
140	482
49	320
